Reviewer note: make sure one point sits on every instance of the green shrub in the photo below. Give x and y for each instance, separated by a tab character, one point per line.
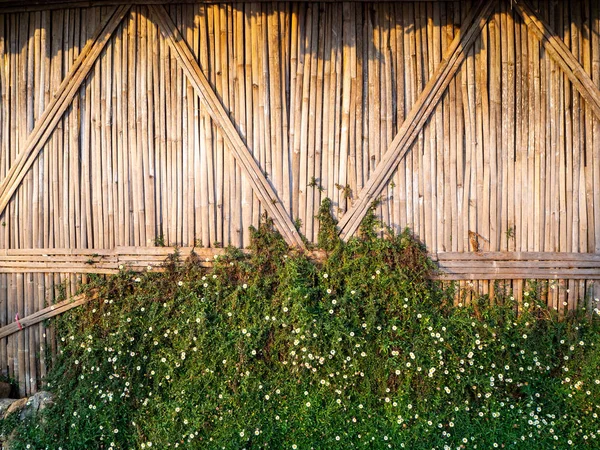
275	350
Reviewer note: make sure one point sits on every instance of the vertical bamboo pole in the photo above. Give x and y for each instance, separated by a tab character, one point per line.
326	131
595	150
302	132
348	41
443	172
316	179
247	198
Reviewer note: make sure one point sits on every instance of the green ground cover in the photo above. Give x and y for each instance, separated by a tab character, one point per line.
274	350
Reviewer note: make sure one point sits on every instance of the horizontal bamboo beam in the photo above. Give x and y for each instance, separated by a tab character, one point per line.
417	117
517	256
561	54
45	125
264	190
453	265
519	275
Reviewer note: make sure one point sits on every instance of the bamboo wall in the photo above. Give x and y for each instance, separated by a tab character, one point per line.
318	92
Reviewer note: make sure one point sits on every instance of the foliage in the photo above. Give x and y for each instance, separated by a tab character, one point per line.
274	350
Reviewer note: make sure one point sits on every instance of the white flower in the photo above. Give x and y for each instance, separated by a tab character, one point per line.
325	275
180	283
308	404
245	286
242	433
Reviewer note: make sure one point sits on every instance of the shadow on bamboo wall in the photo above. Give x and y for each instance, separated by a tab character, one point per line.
318	91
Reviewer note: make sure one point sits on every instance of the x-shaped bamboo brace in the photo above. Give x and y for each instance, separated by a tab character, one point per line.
417	117
53	113
218	113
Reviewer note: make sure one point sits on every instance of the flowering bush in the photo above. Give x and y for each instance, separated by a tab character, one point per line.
274	350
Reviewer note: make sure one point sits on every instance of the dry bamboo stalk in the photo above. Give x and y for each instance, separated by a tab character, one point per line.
186	102
125	153
309	127
233	169
275	91
522	69
461	107
240	118
334	96
246	95
220	83
171	150
555	195
326	126
510	129
303	123
437	148
444	242
311	141
148	131
354	101
177	96
386	97
360	101
262	130
21	214
587	231
469	192
425	149
337	97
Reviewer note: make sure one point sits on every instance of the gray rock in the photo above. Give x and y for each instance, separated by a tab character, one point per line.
36	403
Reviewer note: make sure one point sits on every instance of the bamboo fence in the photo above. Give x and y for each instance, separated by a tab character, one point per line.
123	127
